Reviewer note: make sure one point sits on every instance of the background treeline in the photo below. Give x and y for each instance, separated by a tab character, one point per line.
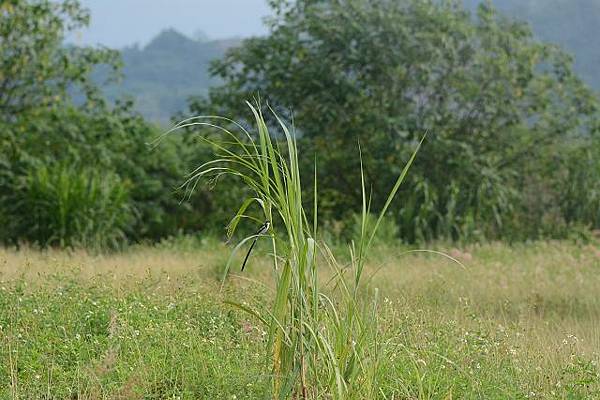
162	74
511	150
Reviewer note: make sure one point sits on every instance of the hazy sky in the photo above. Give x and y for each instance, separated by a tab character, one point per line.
116	23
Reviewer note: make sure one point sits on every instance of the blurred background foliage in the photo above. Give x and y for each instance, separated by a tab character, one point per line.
505	115
511	152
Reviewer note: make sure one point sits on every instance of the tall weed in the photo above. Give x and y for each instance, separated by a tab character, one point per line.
322	337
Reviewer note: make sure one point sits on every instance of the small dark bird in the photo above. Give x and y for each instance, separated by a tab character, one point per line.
261	231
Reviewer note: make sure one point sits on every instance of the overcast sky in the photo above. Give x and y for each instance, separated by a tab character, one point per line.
117	23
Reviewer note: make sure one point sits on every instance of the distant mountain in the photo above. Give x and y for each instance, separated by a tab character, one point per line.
162	75
572	24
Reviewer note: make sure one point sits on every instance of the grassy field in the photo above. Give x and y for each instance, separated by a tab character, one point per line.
151	323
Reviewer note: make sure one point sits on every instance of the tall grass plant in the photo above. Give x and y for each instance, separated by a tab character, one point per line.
323	337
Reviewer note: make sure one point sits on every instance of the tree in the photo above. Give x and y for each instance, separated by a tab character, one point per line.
36	69
57	133
494	102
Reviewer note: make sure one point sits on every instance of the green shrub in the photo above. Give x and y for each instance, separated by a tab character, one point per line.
52	111
65	206
116	141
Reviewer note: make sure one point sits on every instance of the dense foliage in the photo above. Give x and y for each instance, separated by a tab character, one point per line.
511	148
108	141
503	112
74	171
62	206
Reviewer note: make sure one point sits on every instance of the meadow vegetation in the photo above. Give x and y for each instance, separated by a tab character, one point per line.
519	322
414	123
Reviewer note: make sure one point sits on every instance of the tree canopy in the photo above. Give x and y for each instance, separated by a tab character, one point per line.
36	69
74	170
496	104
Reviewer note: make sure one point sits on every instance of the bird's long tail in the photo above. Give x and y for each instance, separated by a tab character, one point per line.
248	253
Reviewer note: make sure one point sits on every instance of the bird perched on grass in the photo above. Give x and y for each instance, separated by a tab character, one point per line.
261	231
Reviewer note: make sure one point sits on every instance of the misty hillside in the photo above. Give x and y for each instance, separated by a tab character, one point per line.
162	75
572	24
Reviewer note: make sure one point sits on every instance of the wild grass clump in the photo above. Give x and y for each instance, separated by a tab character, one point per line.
65	206
323	337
